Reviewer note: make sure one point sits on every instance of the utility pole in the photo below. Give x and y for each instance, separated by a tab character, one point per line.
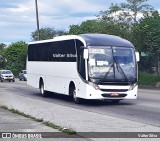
38	31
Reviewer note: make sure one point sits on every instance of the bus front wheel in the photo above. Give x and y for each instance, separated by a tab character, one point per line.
73	93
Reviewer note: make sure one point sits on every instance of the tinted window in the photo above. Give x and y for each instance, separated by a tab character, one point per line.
53	51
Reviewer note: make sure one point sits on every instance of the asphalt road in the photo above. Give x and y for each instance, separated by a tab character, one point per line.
146	109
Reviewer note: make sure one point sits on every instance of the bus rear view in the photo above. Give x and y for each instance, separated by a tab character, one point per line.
102	67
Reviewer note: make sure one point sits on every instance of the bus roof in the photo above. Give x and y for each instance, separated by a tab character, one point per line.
92	40
105	40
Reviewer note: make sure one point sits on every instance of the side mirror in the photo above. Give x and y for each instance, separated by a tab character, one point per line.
85	53
137	56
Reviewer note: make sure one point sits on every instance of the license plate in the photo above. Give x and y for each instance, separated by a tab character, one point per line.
114	94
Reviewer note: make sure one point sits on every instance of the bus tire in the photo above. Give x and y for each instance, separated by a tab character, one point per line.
42	91
73	94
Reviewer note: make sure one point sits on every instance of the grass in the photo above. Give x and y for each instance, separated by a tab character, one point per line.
21	113
148	79
65	130
47	123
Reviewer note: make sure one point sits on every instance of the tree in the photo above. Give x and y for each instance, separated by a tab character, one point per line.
89	26
126	13
47	33
16	54
146	35
2	59
99	26
2	46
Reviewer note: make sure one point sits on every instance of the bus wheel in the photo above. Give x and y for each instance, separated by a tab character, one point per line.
73	93
115	101
42	91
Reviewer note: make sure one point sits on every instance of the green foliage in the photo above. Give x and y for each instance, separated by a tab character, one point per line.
2	61
150	28
148	79
89	26
99	26
126	13
47	33
2	46
146	37
2	58
16	54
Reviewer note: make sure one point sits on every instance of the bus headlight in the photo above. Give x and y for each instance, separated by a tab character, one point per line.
132	86
94	85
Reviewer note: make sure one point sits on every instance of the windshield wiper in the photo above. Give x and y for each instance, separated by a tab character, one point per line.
112	66
106	74
119	67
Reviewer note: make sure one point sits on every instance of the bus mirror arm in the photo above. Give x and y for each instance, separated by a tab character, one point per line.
137	56
85	53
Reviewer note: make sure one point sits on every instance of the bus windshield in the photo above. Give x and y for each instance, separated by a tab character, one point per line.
112	64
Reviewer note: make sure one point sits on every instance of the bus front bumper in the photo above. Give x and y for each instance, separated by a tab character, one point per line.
112	92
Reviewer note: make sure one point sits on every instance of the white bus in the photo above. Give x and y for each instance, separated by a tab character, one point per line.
86	66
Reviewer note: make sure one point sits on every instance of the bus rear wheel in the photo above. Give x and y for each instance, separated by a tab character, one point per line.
42	91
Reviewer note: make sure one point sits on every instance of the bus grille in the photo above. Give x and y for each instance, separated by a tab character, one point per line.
114	90
109	95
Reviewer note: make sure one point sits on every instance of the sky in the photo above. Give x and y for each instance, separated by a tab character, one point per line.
18	17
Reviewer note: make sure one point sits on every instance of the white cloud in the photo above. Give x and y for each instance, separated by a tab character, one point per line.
4	24
21	8
18	18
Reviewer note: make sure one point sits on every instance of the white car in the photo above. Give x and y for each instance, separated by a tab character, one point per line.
6	75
